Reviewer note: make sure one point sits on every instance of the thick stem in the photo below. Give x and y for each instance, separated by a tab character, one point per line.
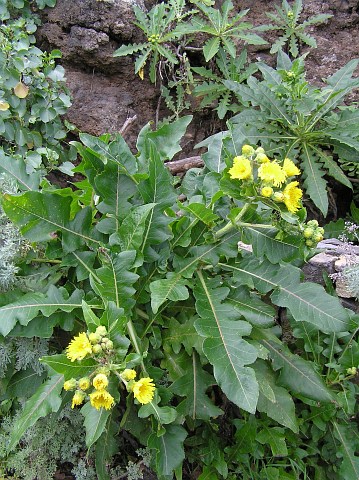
231	225
133	337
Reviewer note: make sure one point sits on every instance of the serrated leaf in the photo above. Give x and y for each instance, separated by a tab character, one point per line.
172	288
47	399
41	215
210	48
275	438
164	415
308	302
130	233
114	280
314	183
106	448
30	304
264	243
128	49
279	404
193	385
94	422
63	366
200	211
296	373
224	346
349	469
252	308
169	449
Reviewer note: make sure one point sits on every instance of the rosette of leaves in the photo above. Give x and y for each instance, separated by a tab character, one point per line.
180	302
161	26
293	33
222	28
210	86
290	116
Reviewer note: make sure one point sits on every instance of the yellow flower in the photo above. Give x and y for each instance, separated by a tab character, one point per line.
100	382
290	169
242	169
101	398
292	195
247	150
79	347
78	398
144	390
267	192
70	384
84	383
272	173
128	374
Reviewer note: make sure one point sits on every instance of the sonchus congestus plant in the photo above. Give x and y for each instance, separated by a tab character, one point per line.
293	118
172	315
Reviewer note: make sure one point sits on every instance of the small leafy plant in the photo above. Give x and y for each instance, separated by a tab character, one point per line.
293	33
210	86
294	118
222	28
161	25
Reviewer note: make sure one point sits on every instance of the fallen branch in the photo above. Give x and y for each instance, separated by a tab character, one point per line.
178	166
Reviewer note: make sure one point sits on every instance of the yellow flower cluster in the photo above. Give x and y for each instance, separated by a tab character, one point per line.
92	344
268	175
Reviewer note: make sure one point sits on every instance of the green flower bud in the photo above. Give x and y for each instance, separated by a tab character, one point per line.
317	237
101	330
94	338
352	371
70	384
309	243
308	232
312	223
247	150
96	349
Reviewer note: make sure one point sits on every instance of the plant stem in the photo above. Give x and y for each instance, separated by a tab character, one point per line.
45	260
231	225
133	336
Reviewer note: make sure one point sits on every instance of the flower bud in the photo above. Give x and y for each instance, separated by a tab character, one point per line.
262	158
312	223
247	150
96	349
317	237
84	383
101	330
309	243
352	371
78	398
70	385
128	374
260	150
94	338
267	192
278	196
100	382
308	232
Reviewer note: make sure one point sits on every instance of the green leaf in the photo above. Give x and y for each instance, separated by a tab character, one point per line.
252	308
30	304
166	139
296	373
308	302
172	288
62	365
106	448
130	234
200	211
315	185
16	168
264	243
210	48
113	281
94	422
349	469
47	399
278	404
129	49
213	158
41	215
164	415
193	385
224	346
169	449
275	438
